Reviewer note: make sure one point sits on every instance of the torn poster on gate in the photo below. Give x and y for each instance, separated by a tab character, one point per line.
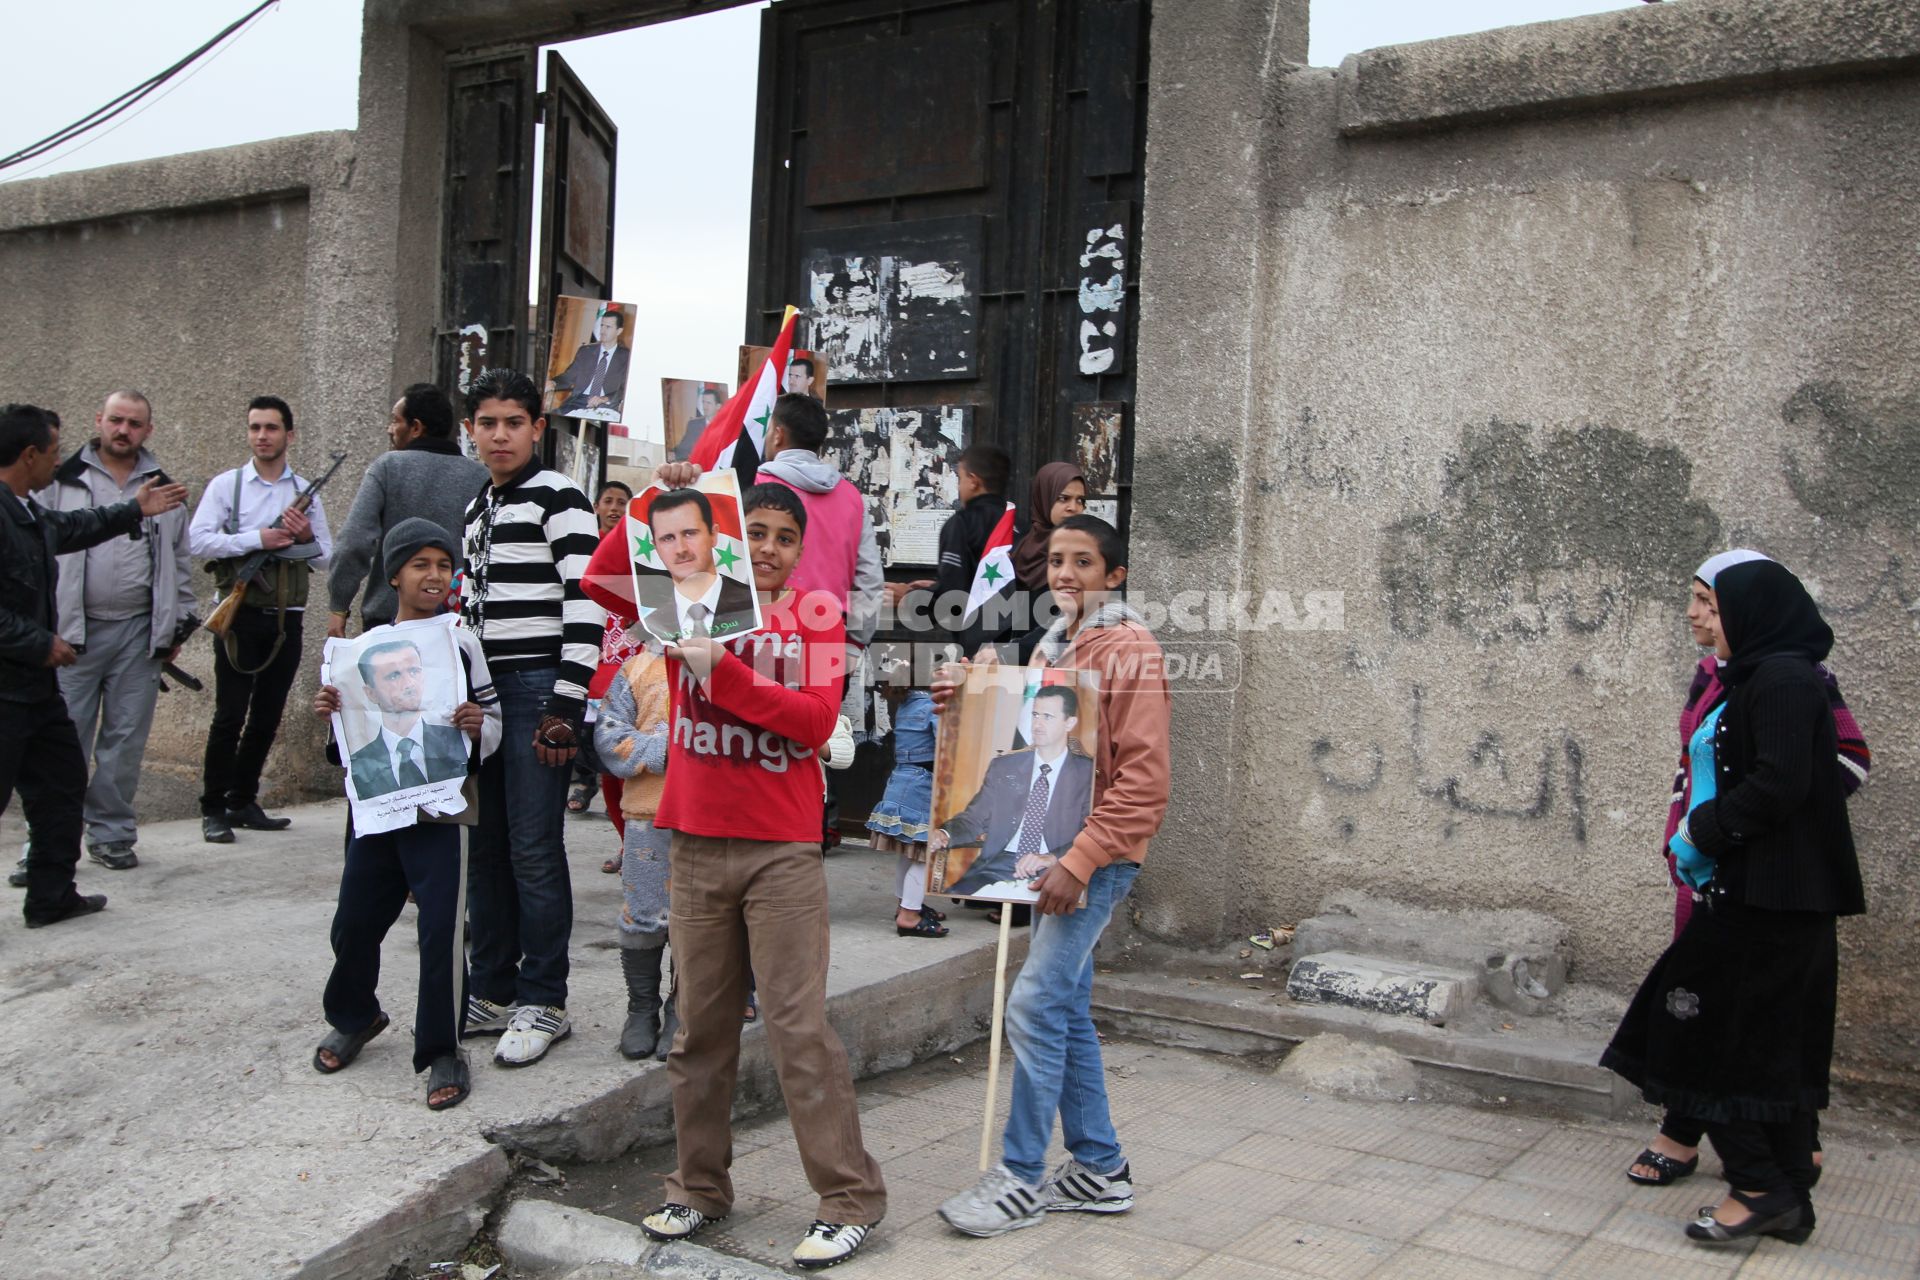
399	686
903	460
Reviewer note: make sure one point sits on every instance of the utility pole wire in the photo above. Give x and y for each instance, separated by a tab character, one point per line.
102	114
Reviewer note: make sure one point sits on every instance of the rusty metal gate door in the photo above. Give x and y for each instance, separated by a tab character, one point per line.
951	194
485	233
576	233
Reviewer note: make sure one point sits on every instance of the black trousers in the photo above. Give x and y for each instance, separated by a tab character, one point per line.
247	708
1774	1158
1688	1131
40	754
426	860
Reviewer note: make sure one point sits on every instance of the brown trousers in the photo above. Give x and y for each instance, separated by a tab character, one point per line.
735	900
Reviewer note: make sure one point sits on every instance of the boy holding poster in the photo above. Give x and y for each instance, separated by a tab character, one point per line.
424	857
743	799
1057	1066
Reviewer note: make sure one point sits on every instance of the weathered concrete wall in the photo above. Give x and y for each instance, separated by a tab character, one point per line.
1524	346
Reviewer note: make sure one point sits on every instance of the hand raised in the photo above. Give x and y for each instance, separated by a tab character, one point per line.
157	499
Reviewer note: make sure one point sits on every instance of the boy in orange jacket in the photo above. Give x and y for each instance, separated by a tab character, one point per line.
1057	1066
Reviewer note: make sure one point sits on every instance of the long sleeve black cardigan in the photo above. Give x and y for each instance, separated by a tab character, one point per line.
1778	823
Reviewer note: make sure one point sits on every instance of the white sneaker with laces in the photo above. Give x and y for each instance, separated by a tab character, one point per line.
1074	1188
532	1031
485	1018
829	1242
995	1205
674	1222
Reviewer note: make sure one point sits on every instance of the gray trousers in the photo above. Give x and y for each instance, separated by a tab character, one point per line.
110	693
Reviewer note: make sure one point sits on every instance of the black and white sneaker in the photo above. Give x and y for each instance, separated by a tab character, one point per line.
995	1205
1074	1188
674	1222
829	1242
534	1029
485	1018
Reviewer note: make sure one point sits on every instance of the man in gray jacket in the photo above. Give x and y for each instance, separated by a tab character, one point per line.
125	605
424	475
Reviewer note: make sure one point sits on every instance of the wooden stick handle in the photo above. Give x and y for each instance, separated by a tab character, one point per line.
999	1023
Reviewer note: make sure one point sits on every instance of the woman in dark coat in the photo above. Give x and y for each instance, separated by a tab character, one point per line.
1734	1025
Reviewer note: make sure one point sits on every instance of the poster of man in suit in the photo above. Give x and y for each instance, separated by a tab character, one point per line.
687	405
691	575
588	359
1013	780
398	687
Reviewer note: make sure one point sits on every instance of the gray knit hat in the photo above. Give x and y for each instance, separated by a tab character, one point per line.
405	539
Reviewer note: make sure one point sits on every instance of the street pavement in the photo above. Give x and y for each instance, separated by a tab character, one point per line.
1241	1176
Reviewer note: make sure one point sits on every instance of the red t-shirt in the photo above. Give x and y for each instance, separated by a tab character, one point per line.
743	755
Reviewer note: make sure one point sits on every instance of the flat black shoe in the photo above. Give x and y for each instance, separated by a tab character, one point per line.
77	905
214	829
254	818
1764	1218
1668	1170
18	876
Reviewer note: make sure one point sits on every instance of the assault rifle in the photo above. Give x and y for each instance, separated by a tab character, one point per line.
222	618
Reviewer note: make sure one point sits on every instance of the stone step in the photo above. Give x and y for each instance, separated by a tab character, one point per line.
1435	996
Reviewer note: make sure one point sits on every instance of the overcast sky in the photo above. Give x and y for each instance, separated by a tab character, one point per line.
684	178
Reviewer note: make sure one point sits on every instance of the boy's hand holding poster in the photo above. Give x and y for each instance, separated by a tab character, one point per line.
1012	781
691	575
398	687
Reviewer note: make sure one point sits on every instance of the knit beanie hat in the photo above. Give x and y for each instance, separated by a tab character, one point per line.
405	539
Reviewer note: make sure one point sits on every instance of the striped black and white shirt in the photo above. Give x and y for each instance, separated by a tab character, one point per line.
527	544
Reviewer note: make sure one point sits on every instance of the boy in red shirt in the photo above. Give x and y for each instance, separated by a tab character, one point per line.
743	799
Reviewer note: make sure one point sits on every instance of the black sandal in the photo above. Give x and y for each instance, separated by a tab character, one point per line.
925	927
448	1071
345	1048
1670	1170
928	913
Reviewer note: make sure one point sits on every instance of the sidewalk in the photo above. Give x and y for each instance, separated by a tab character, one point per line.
1241	1177
159	1115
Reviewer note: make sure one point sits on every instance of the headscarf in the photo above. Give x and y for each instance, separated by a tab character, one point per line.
1714	566
1767	613
1030	553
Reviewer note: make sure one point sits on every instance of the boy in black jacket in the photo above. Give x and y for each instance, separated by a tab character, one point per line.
983	470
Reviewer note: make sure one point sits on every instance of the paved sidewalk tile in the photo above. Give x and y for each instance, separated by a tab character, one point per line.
1492	1240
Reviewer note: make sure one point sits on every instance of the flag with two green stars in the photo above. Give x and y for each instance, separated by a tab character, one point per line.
994	576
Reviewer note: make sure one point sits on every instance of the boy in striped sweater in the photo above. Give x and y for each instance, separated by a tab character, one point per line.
529	534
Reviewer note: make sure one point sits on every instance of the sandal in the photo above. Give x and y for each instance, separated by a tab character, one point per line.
925	927
448	1071
1670	1170
928	913
345	1048
579	796
612	865
753	1009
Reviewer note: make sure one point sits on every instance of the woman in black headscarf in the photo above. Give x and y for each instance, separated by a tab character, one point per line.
1734	1026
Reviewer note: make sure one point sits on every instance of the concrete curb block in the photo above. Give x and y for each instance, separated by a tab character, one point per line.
545	1237
436	1223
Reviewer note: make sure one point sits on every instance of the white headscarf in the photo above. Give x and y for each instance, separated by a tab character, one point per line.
1716	565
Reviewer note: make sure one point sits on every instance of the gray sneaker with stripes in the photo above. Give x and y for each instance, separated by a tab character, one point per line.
995	1205
1074	1188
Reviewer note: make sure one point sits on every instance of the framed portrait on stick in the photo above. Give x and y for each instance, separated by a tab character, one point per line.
688	550
1012	780
398	687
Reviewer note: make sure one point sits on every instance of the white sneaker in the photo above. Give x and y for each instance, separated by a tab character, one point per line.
1074	1188
995	1205
674	1222
530	1033
485	1018
829	1242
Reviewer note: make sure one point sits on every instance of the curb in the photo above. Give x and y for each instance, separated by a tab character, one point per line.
544	1237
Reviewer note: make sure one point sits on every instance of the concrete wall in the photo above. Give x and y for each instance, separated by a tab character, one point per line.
1533	321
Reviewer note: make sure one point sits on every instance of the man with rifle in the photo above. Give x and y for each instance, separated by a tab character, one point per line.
265	532
39	748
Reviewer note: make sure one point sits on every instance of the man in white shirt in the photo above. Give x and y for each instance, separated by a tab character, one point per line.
254	667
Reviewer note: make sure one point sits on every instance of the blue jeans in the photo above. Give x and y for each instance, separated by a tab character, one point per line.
1056	1051
519	895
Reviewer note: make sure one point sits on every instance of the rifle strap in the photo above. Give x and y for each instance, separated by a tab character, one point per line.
232	640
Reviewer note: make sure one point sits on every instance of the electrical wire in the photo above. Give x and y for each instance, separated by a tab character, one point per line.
132	97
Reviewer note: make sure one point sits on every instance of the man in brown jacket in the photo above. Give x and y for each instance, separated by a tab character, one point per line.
1057	1066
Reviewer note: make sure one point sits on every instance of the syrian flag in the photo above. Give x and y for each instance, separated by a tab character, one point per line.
737	433
995	575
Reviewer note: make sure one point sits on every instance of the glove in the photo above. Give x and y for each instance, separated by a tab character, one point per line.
1693	866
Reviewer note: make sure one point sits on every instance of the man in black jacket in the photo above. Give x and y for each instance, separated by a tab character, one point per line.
39	746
